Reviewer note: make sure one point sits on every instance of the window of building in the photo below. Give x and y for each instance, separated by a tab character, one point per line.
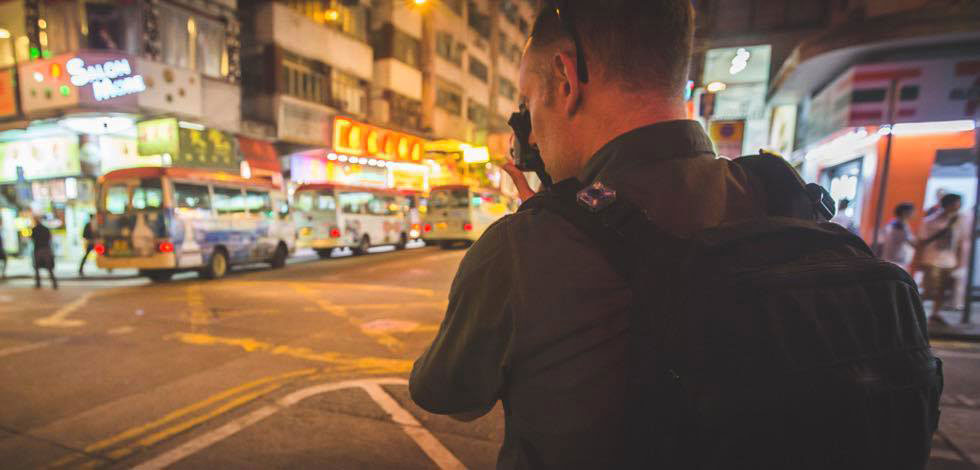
456	6
477	113
449	99
507	88
479	69
403	110
348	93
909	93
191	196
305	79
448	48
510	11
871	95
193	41
345	16
229	200
113	26
478	21
389	41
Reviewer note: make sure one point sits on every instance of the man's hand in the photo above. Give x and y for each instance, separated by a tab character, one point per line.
523	188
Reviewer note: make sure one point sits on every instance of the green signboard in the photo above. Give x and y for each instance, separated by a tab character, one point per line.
157	137
188	146
209	148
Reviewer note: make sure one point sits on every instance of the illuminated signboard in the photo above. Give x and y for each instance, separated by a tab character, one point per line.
188	144
41	158
109	79
355	138
157	137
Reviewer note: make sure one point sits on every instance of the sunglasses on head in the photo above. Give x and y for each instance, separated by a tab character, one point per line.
566	16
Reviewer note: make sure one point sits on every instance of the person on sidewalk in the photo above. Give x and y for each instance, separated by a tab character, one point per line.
942	252
898	242
43	253
88	234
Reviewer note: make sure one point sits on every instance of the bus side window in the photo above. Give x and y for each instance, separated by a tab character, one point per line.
259	202
117	199
229	200
191	196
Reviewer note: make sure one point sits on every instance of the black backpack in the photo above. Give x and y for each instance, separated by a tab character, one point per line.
777	343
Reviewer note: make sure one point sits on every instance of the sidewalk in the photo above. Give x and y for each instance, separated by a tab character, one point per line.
955	329
65	269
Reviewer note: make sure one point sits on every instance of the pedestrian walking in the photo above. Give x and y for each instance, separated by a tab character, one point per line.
88	234
43	253
659	307
898	241
943	252
842	218
938	206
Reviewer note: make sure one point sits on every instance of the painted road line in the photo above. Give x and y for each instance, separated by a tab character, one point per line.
425	440
30	347
145	429
393	344
422	437
59	319
341	362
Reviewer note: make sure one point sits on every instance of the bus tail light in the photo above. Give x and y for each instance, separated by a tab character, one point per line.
335	233
467	227
99	249
165	247
427	228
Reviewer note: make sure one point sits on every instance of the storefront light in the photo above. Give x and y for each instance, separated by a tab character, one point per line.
372	162
332	156
342	158
944	127
38	77
191	125
715	87
848	144
98	124
4	34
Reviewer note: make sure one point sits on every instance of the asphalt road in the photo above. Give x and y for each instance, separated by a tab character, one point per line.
303	367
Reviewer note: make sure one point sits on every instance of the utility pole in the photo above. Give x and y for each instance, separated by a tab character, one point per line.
886	165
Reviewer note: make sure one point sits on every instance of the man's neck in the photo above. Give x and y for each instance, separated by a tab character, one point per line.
622	113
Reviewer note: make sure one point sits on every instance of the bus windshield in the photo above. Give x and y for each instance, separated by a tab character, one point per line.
449	199
122	197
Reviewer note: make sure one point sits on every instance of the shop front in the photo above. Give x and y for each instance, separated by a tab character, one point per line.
364	155
81	111
925	148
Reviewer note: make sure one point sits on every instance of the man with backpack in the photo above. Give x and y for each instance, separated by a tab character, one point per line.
658	307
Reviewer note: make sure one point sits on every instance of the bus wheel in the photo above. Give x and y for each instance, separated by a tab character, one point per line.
323	254
159	276
362	247
279	258
402	242
218	266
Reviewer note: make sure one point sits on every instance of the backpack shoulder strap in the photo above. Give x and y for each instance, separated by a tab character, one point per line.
787	195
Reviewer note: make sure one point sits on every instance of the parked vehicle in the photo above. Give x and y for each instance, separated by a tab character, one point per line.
331	216
460	214
166	220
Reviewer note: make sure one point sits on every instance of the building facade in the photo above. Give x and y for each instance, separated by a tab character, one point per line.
76	76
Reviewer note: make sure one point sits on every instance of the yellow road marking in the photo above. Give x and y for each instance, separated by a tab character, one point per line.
180	413
322	286
59	319
341	361
185	425
340	311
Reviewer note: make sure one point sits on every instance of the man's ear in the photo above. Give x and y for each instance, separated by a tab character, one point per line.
570	86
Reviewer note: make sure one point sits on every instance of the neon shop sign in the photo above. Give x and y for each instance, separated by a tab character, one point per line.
110	79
